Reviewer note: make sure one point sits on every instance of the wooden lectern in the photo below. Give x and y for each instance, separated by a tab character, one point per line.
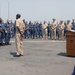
70	42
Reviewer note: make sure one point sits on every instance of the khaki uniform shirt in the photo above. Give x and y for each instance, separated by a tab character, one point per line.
69	26
54	25
61	27
44	26
20	24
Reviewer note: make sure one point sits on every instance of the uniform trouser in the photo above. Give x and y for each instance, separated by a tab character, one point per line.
53	33
62	34
19	44
58	34
35	34
12	35
7	37
31	33
45	33
40	33
27	34
50	34
3	37
0	37
65	33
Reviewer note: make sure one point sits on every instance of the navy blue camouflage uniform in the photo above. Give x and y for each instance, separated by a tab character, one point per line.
27	31
73	24
35	33
7	33
49	30
40	31
1	33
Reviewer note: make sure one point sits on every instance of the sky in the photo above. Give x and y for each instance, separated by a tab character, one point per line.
38	10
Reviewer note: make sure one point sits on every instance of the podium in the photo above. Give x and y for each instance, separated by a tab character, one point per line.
70	42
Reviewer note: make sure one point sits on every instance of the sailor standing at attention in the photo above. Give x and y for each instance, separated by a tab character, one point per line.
20	28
